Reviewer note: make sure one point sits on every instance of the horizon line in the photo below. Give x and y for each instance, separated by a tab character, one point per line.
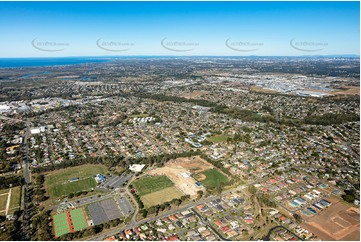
125	56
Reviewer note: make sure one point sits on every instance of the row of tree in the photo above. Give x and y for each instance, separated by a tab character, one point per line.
332	118
136	197
112	161
164	98
249	115
161	207
7	181
217	164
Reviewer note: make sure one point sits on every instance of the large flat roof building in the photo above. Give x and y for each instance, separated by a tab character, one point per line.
136	167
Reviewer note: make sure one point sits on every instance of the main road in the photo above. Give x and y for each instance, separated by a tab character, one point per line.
27	181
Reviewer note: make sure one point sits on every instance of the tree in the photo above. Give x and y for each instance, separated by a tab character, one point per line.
252	189
144	213
348	198
297	217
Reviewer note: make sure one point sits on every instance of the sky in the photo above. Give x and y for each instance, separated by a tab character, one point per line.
56	29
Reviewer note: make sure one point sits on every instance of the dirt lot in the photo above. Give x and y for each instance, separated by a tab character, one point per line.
338	222
174	169
261	89
349	90
194	164
195	94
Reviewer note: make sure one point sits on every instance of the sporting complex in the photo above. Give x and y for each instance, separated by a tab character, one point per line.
65	181
69	222
182	176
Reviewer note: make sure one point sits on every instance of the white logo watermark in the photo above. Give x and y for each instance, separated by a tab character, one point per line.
243	46
307	46
178	46
114	46
49	46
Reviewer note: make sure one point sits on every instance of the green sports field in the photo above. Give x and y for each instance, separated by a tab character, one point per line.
3	191
78	219
213	178
3	199
14	199
57	182
69	222
218	138
72	187
151	184
161	196
61	224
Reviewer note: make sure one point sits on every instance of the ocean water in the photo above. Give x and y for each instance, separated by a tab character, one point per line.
34	62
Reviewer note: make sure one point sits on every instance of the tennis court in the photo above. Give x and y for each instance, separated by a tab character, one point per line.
61	224
69	222
78	219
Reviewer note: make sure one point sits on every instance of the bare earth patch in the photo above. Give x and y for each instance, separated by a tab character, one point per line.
194	164
201	177
180	171
338	222
261	89
349	90
195	94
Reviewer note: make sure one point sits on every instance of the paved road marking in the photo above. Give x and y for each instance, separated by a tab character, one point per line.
8	203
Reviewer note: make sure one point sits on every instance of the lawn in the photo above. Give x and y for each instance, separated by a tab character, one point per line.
161	196
3	199
4	191
218	138
15	197
57	182
148	185
73	187
213	178
142	115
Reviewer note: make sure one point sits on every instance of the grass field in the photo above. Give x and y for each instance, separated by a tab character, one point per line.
152	184
218	138
142	115
4	191
15	197
70	221
78	219
57	182
72	187
161	196
3	199
213	178
61	225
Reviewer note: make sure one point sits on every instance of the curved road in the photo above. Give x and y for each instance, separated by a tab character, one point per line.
209	225
267	237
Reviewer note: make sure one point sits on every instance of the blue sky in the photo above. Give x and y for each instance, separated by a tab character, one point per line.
37	29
